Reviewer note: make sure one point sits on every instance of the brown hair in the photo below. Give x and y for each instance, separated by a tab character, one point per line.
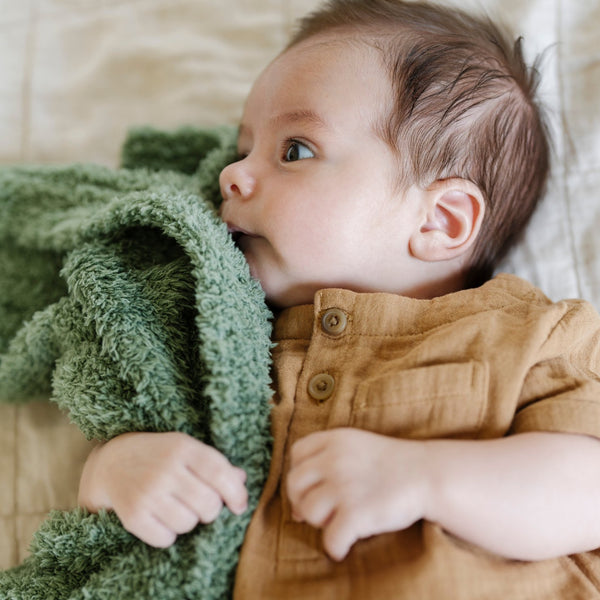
465	106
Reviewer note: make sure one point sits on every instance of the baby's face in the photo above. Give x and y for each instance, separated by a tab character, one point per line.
313	201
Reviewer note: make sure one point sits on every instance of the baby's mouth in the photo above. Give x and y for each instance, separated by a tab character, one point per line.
237	233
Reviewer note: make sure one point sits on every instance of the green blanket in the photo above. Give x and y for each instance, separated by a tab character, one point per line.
123	297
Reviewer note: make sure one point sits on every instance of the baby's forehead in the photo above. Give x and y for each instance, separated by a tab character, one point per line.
320	57
342	43
325	67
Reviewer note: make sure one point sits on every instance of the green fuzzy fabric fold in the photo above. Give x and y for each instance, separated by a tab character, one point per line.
123	297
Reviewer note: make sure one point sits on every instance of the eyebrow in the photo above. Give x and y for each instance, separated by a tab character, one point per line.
301	116
294	116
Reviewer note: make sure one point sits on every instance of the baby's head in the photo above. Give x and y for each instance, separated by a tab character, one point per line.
393	146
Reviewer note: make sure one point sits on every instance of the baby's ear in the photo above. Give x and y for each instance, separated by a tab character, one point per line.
452	217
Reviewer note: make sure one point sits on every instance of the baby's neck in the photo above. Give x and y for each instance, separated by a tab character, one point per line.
453	282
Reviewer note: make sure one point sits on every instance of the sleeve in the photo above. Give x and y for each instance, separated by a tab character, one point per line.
561	391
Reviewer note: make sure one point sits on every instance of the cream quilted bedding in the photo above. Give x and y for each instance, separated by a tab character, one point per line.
76	74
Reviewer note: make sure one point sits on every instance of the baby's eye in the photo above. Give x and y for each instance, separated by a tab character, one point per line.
297	151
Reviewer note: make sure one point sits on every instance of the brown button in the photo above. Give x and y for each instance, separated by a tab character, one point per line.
320	387
334	321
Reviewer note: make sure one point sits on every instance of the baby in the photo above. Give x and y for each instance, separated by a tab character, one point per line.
430	426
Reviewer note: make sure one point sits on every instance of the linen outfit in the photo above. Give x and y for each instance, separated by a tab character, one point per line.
482	363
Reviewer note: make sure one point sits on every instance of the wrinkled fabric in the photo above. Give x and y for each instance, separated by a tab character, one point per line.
477	364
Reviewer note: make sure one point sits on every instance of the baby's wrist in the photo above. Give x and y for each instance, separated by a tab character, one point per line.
418	481
433	480
91	494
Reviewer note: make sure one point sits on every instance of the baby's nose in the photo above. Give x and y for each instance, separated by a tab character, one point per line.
236	181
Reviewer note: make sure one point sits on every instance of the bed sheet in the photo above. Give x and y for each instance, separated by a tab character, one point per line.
78	73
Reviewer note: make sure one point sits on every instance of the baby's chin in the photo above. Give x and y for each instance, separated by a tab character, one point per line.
280	291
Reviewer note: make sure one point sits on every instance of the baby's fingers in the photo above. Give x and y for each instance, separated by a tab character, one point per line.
167	516
201	500
148	528
339	535
229	482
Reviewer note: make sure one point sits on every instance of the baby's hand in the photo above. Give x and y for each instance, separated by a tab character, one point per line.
161	484
354	484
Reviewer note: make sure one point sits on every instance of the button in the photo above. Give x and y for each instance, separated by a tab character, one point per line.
320	387
334	321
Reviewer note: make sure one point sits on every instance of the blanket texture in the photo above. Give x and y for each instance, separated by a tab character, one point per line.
124	299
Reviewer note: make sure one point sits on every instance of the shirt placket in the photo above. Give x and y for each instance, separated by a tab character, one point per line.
322	387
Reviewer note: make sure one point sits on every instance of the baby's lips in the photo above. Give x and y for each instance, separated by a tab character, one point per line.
234	232
237	232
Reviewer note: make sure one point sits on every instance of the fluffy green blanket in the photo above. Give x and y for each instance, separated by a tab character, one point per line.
123	297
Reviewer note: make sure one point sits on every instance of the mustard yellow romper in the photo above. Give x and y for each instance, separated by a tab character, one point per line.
483	363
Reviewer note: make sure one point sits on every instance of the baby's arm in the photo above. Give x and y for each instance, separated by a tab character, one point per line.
529	496
161	484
